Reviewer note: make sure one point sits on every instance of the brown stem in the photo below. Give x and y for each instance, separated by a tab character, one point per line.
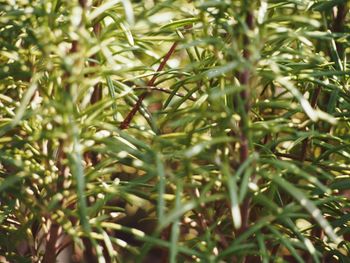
244	95
338	23
92	157
82	3
125	124
51	244
244	78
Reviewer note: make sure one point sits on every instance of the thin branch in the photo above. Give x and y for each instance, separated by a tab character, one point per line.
125	124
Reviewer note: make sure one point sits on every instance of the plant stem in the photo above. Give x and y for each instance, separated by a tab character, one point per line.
244	78
92	157
338	23
125	124
51	244
244	95
51	250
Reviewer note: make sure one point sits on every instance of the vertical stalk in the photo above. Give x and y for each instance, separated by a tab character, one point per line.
244	78
92	157
52	244
338	23
243	109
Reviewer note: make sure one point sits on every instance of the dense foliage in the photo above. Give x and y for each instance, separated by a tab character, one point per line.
174	131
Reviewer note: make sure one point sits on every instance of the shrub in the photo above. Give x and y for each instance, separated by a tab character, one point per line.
174	131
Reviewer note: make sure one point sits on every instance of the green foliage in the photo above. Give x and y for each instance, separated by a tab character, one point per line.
238	151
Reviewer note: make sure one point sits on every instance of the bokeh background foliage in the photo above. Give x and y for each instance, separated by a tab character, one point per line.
239	149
